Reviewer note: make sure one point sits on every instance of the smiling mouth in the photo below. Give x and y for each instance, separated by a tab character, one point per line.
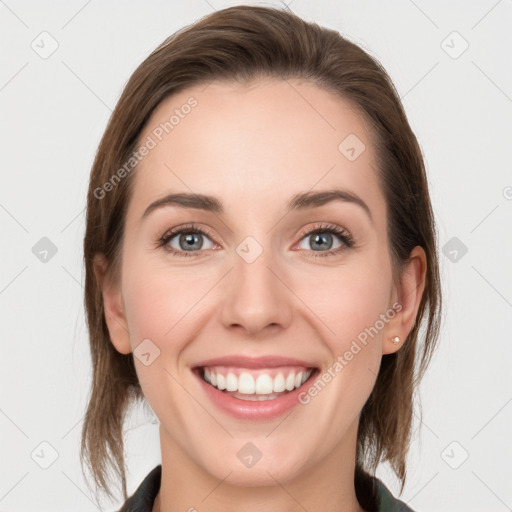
256	385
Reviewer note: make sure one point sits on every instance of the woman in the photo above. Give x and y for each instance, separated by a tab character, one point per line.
260	254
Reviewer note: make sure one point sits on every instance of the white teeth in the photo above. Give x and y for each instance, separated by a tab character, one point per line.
246	384
231	382
290	382
279	383
263	387
221	381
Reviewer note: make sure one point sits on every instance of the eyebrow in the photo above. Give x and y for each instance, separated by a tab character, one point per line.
301	201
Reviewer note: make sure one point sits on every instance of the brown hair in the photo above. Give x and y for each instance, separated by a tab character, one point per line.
243	43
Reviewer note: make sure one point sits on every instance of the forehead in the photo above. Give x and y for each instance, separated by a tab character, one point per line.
264	141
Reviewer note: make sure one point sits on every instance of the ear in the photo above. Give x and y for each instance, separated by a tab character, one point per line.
112	305
408	296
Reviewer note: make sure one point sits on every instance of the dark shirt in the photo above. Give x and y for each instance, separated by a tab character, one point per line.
377	497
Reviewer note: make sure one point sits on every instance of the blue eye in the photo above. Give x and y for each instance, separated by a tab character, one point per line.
319	239
189	239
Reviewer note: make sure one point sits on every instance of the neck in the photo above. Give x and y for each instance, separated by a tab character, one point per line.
327	486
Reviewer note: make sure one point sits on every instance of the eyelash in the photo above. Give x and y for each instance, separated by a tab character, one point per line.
344	236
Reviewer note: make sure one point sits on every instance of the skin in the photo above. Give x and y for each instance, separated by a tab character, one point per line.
254	147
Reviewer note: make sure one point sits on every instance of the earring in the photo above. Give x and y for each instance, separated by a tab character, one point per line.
396	339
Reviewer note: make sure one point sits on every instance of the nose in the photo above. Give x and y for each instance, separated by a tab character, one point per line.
256	297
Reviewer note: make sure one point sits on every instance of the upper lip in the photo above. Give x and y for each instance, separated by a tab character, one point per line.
240	361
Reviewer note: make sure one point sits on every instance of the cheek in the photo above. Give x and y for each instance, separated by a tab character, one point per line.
161	305
348	301
160	302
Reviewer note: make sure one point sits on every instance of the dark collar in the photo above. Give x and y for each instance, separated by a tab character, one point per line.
371	493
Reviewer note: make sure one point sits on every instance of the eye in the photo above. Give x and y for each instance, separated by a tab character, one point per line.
321	238
188	239
184	240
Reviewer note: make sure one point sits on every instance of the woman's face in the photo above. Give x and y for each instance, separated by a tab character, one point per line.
257	283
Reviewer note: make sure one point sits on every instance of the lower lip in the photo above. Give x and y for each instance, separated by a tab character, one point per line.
249	410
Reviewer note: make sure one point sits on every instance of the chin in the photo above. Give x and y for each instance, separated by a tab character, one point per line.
260	475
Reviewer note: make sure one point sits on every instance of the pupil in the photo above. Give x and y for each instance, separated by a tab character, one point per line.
190	240
320	237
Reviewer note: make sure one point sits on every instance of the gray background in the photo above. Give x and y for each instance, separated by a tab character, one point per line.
53	110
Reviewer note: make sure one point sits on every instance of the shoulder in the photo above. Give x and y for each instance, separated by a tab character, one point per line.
374	496
387	502
143	498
